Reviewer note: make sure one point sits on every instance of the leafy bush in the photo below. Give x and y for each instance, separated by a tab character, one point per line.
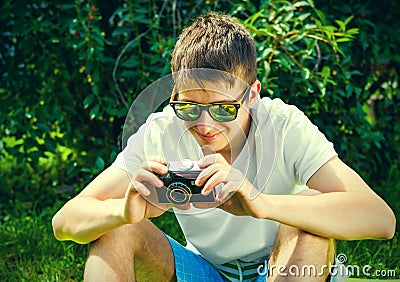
370	118
71	69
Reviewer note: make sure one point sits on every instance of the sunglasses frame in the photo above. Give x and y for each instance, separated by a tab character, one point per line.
203	107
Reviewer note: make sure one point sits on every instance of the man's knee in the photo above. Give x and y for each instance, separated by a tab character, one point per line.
124	238
139	249
111	257
317	245
289	236
311	240
298	249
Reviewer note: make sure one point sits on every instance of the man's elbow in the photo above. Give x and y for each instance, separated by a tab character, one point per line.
383	224
64	232
389	226
58	228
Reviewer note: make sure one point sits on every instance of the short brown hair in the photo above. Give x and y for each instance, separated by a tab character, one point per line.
216	41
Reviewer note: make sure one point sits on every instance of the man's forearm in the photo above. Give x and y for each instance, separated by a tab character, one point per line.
84	219
339	215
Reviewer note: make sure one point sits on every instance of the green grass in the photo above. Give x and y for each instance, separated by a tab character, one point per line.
29	252
380	259
369	280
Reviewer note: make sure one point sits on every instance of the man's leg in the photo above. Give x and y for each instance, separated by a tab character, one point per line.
300	256
132	252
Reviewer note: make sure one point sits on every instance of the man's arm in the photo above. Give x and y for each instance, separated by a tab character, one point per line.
346	208
96	210
111	200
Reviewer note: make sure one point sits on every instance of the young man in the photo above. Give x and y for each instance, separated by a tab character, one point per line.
282	192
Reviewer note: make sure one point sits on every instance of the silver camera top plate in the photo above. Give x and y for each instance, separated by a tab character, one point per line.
184	165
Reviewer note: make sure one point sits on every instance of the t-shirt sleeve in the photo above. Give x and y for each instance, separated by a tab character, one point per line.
306	148
132	156
162	135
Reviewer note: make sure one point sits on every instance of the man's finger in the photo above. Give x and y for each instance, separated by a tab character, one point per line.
137	187
227	191
157	167
147	176
216	179
205	174
158	159
211	159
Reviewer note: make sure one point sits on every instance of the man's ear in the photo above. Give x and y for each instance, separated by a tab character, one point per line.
254	93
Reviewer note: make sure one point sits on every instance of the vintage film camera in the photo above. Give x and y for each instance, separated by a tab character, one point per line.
179	187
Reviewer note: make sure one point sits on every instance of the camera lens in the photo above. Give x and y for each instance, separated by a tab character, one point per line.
178	195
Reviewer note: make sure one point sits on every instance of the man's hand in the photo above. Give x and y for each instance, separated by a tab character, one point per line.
141	198
237	196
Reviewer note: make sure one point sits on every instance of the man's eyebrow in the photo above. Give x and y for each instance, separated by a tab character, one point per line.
191	101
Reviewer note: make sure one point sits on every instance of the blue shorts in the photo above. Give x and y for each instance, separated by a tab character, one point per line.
191	267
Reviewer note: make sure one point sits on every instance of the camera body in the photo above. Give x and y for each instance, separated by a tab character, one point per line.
179	187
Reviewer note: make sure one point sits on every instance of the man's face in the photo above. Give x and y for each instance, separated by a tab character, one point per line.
223	137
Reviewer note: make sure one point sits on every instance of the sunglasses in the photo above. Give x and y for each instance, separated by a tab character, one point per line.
221	111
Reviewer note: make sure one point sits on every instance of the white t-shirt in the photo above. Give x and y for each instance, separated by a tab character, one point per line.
283	150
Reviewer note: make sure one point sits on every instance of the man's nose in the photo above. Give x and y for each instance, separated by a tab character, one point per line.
205	123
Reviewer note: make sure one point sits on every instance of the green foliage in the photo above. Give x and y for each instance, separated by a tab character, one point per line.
63	70
307	58
71	69
366	95
352	98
